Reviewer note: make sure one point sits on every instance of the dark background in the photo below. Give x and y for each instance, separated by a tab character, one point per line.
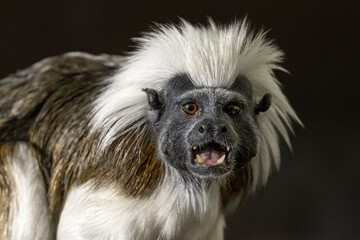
316	194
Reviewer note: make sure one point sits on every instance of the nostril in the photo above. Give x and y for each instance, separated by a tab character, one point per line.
201	129
223	129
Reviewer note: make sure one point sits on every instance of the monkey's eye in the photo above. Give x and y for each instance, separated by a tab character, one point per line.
232	109
190	108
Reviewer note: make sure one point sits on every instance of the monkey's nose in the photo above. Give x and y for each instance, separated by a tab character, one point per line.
201	129
212	129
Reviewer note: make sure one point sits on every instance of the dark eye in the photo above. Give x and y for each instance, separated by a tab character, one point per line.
232	109
190	108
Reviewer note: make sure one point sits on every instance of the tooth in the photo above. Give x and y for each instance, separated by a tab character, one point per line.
199	159
228	148
194	148
221	160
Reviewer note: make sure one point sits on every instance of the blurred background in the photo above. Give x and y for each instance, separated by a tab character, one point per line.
316	194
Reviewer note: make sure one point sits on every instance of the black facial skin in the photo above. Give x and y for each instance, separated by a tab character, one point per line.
224	120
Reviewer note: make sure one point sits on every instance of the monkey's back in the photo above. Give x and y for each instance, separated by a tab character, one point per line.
58	79
44	109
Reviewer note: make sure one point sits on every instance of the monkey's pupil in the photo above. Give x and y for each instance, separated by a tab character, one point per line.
190	108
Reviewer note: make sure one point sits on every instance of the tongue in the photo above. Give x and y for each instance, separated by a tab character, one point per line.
210	156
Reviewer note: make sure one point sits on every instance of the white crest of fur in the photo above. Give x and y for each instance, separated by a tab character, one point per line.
213	56
30	213
172	212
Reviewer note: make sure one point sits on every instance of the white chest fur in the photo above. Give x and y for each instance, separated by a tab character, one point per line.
173	212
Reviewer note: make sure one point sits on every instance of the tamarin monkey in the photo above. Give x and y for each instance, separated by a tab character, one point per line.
157	144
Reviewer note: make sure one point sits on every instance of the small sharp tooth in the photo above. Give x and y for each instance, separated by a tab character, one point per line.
194	148
221	160
228	148
199	159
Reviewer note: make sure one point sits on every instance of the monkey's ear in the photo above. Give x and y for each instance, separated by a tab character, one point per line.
263	105
155	105
153	99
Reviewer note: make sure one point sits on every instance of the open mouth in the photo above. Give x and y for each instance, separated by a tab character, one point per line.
211	154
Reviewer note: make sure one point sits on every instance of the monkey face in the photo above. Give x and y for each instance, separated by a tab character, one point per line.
204	131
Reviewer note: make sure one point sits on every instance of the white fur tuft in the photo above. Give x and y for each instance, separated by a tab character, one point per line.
213	56
30	212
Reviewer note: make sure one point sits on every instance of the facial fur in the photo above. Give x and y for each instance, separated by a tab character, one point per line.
213	139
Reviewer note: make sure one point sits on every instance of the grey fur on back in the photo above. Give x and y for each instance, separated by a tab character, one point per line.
23	94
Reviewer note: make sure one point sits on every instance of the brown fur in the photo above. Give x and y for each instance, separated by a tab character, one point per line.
138	176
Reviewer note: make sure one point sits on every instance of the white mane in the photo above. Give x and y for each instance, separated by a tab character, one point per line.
212	56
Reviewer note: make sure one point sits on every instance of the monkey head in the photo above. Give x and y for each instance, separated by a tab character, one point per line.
205	131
